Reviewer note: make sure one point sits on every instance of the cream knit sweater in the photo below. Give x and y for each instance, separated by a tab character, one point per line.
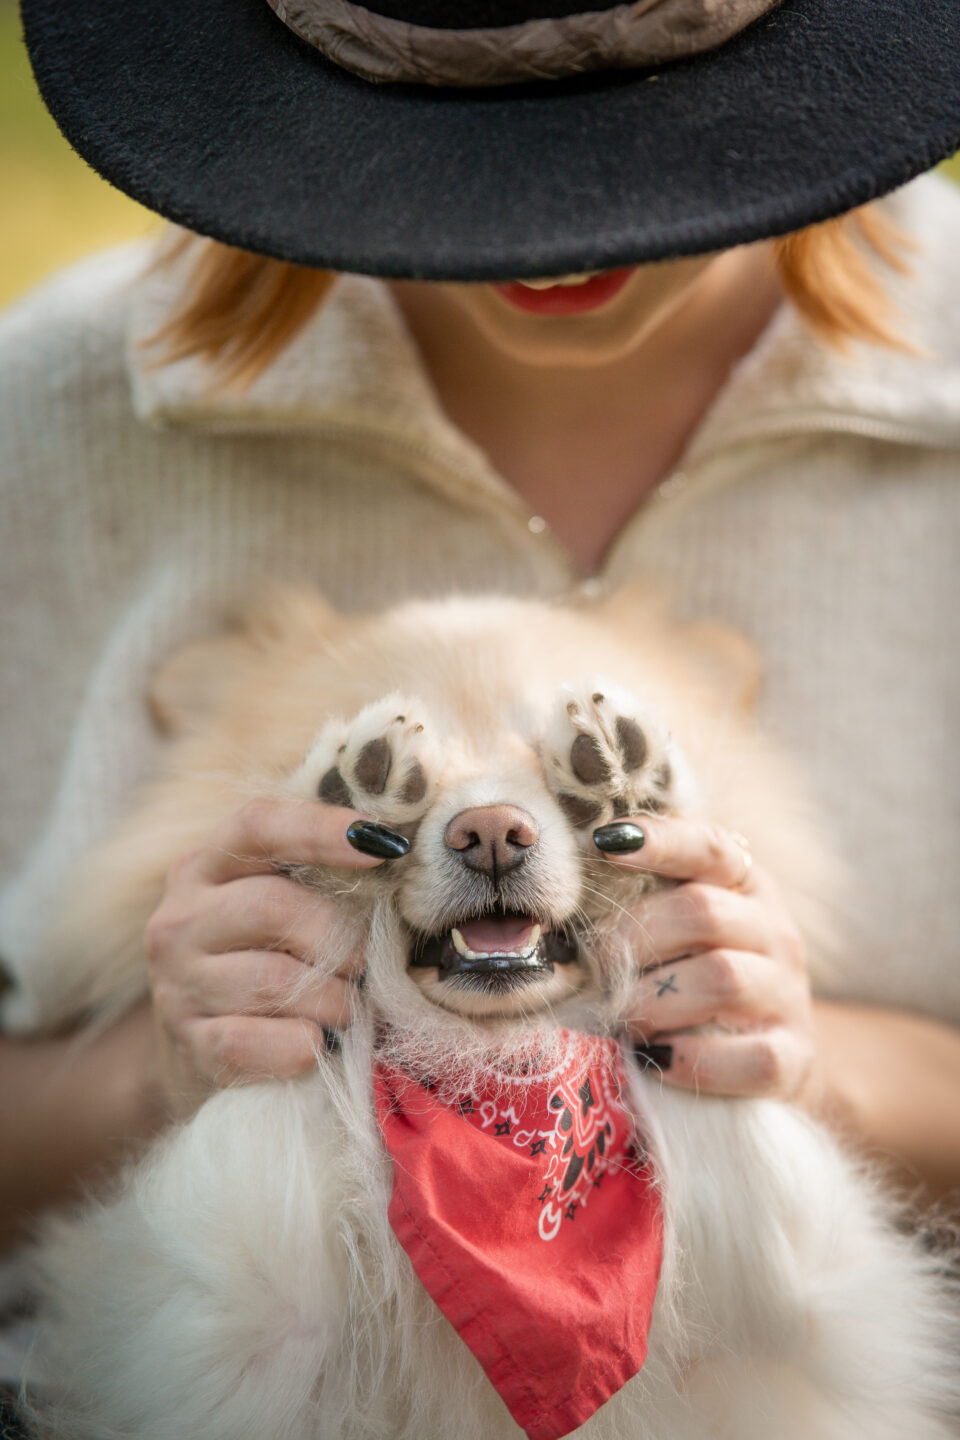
818	509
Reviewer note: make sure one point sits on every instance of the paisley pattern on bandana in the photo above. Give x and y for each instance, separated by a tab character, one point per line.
528	1208
583	1133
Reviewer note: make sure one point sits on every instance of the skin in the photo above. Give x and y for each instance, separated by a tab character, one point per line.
551	400
226	953
232	1000
721	948
555	399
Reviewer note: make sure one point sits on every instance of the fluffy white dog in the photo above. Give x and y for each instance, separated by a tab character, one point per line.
246	1280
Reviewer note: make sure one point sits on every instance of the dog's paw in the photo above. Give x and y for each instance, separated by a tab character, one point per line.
377	763
605	758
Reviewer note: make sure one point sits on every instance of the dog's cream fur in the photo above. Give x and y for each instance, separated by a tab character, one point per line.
244	1282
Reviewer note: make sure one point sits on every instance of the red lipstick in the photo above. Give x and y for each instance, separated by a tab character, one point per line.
566	299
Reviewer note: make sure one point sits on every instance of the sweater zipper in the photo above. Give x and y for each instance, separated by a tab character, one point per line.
669	489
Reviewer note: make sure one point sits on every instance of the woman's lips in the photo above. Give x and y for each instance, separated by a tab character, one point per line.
565	299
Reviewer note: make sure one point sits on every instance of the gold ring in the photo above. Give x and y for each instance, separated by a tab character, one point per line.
744	844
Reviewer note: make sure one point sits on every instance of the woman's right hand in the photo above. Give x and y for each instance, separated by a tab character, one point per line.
230	949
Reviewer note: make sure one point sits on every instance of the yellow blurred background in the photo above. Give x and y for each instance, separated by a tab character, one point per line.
56	208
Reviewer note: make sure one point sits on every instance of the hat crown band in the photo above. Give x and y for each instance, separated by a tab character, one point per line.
501	42
480	14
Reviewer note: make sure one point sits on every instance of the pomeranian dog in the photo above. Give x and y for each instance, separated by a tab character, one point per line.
480	1216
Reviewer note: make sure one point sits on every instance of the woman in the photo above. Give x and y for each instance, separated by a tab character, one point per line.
673	419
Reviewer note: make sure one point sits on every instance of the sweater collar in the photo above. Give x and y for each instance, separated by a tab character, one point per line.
792	383
355	368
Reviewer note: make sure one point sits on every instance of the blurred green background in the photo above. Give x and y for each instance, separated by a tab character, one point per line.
56	208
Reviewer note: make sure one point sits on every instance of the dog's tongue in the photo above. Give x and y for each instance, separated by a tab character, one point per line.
498	937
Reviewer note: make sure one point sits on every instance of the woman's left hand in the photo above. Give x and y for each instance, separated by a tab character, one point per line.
717	949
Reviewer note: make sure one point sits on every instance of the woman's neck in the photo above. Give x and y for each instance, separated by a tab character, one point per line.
584	445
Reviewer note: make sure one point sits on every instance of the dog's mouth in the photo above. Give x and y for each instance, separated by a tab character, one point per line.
495	949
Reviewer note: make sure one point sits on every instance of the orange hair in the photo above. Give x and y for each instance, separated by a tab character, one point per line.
241	310
829	273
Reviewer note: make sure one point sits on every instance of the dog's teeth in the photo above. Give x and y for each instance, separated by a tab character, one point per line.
462	948
460	945
527	953
530	949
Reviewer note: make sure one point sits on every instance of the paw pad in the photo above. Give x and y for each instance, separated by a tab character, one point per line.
378	763
606	759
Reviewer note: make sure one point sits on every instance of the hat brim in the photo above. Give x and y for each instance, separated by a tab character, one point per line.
221	119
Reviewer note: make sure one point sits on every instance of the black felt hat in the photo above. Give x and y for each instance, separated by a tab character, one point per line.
225	116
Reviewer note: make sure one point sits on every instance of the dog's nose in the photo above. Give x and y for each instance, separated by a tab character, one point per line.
492	838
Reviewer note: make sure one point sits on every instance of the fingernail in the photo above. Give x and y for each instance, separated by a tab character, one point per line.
619	839
370	838
331	1040
653	1057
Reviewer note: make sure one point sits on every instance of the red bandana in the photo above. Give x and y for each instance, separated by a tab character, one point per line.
534	1224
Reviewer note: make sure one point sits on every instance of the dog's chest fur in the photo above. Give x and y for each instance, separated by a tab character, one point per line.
283	1304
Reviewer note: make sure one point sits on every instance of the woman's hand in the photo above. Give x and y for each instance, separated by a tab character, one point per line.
231	948
717	949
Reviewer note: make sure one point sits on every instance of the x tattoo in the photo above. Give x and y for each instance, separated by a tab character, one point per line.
664	985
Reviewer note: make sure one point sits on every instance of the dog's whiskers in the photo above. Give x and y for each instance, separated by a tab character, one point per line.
614	905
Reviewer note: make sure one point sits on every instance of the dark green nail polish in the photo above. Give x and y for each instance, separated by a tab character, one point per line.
331	1040
370	838
620	838
653	1057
